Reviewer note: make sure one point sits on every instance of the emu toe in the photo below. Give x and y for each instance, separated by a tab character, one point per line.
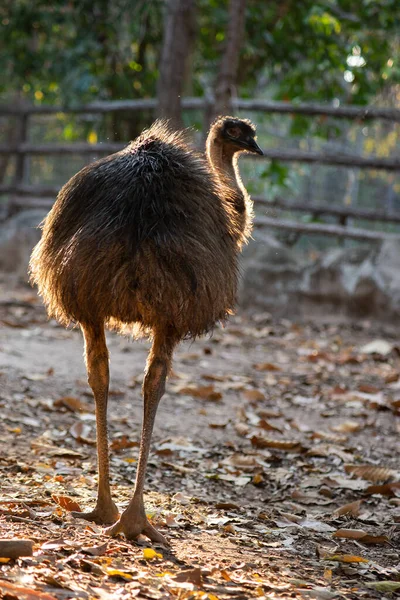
103	514
133	525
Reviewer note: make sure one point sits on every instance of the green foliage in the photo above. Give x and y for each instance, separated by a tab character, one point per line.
276	173
276	178
301	49
82	50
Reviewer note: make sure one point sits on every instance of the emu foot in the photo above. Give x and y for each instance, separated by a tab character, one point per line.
105	513
132	524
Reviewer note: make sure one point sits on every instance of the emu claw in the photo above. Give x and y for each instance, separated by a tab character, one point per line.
101	515
133	528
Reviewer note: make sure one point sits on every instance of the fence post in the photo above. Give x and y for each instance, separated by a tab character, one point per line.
22	137
20	174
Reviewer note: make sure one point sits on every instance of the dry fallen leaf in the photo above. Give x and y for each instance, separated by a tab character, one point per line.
329	450
345	558
370	472
221	425
170	520
73	404
347	427
348	358
267	426
384	586
213	377
314	525
242	429
181	498
267	366
319	593
257	479
96	550
10	590
122	443
81	432
253	395
352	508
310	498
386	489
375	539
229	528
342	482
299	583
361	536
150	554
51	451
227	505
190	576
264	413
367	388
263	442
205	392
54	544
244	462
392	377
39	376
117	573
67	503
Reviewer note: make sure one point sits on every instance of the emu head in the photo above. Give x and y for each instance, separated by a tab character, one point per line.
239	135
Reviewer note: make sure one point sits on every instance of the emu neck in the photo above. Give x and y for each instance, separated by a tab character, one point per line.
225	166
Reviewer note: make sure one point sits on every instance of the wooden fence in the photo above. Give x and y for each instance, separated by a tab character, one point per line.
21	194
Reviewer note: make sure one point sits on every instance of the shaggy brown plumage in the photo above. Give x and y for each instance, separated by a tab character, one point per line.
146	240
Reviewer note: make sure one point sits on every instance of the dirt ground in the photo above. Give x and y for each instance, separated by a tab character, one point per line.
274	470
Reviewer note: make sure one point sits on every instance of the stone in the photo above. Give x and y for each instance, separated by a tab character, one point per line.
360	282
270	274
18	236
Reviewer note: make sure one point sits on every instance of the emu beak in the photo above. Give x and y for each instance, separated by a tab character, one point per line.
254	147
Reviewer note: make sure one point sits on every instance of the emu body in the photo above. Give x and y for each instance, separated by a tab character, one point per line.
145	241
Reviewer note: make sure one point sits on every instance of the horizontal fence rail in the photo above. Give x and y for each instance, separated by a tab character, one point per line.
71	148
326	209
338	159
30	190
267	106
43	197
330	230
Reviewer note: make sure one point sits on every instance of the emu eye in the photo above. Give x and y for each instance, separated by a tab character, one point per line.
234	132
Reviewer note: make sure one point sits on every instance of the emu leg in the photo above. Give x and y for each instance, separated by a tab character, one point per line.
133	520
96	357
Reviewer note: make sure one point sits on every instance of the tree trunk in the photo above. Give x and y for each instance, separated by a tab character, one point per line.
178	40
227	75
11	133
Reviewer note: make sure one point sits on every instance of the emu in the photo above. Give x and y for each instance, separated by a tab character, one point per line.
146	242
